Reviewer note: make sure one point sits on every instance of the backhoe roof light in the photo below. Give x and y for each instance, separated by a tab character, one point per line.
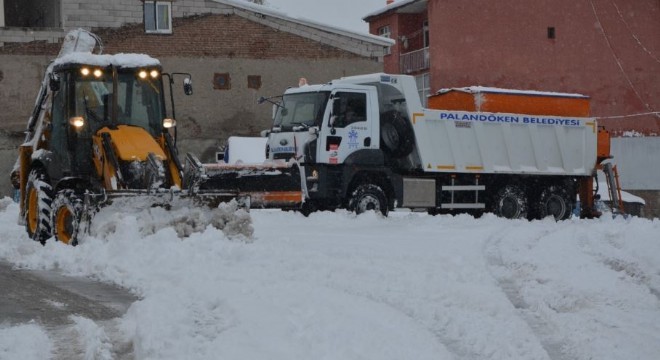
84	71
98	73
154	73
142	74
77	121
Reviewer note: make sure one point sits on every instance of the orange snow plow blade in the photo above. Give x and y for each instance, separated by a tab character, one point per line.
268	185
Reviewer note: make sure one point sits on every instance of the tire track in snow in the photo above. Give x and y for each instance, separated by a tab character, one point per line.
546	336
450	345
618	263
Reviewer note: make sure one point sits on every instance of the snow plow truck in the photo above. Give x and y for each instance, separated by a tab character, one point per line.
366	143
99	132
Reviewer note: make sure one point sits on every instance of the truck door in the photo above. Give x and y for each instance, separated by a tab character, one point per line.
348	124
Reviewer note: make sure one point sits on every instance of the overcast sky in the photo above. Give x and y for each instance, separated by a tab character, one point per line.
345	14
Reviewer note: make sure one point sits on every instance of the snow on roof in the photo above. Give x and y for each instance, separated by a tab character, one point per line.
392	6
484	89
119	60
261	9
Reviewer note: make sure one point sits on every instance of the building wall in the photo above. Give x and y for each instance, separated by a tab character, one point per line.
208	117
411	25
391	61
607	50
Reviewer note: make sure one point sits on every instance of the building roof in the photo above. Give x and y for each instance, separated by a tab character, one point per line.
262	14
413	6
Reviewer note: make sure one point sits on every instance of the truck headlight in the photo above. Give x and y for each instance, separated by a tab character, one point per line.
168	123
77	122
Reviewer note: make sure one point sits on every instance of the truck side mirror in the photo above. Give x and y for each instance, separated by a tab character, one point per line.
187	86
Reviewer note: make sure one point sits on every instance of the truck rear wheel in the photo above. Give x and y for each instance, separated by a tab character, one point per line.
38	202
368	197
555	202
511	202
67	215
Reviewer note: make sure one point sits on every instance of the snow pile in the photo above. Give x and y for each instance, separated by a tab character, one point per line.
185	217
632	133
95	341
340	286
28	341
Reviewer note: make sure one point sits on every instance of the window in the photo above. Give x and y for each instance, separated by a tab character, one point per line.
352	108
387	33
423	87
254	82
551	32
302	109
158	17
425	29
221	81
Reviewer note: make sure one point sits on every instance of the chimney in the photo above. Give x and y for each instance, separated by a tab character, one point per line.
389	2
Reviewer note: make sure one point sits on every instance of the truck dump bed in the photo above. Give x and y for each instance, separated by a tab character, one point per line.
486	142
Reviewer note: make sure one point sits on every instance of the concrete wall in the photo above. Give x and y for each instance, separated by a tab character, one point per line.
638	164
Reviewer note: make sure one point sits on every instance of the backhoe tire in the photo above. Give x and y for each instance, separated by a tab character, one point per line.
38	202
510	202
67	217
396	134
368	197
554	201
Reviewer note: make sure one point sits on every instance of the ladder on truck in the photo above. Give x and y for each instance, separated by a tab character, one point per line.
613	188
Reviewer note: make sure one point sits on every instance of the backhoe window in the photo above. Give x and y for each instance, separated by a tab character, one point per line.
92	98
138	101
304	109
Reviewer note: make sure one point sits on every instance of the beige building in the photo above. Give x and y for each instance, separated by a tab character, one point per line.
236	52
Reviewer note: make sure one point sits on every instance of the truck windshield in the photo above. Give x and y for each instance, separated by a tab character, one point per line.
138	100
302	109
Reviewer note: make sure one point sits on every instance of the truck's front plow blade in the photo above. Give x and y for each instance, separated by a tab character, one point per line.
267	185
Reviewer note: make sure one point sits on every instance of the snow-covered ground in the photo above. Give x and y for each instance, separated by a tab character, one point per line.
340	286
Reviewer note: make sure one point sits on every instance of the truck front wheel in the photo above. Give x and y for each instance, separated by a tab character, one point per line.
368	197
511	202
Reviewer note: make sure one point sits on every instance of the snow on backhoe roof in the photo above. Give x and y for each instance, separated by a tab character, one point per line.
119	60
484	89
